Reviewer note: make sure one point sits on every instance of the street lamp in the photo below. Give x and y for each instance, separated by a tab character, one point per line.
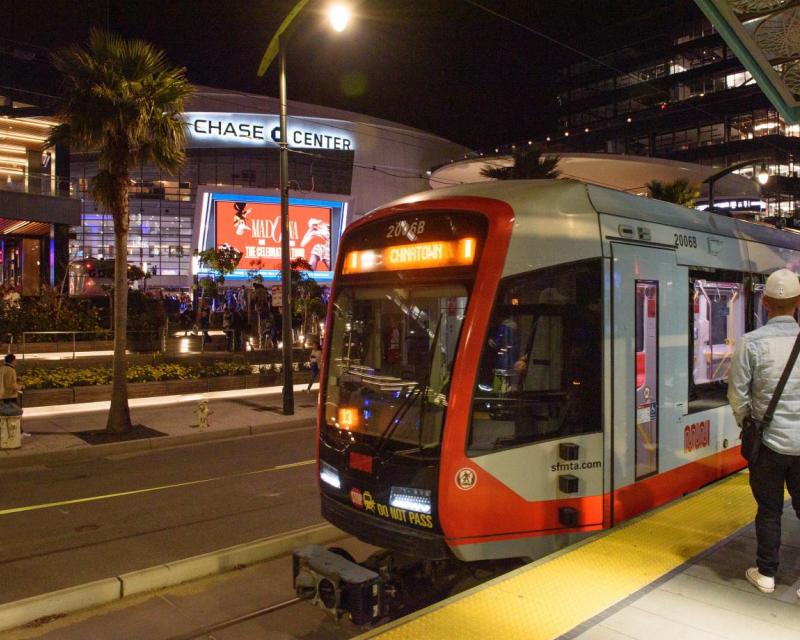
762	177
339	16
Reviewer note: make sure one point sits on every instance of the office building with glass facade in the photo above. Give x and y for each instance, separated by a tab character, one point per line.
677	92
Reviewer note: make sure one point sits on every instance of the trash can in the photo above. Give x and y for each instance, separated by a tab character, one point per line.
10	432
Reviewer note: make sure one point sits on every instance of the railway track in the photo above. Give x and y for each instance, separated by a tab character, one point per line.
206	633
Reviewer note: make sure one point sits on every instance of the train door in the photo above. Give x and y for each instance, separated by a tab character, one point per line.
649	363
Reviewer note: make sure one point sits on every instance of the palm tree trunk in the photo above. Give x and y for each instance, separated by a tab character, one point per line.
119	415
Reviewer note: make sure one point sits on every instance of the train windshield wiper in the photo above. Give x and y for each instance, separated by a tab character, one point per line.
410	399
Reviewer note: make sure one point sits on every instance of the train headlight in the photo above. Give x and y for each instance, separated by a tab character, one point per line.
329	475
411	499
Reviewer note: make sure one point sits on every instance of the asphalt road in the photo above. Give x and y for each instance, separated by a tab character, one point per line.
85	521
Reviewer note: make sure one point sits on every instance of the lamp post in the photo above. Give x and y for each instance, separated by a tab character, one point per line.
339	15
286	267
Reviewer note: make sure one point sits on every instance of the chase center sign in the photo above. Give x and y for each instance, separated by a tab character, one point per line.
257	130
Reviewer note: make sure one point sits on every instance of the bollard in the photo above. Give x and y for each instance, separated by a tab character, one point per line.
203	414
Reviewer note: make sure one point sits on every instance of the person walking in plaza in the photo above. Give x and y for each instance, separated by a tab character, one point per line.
316	360
205	320
10	389
227	327
759	360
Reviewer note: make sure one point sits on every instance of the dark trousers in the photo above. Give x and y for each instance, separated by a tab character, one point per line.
767	478
314	374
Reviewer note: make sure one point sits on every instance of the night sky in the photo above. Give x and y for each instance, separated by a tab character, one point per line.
445	66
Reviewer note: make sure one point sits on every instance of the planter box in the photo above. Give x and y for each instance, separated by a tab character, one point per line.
262	380
226	383
175	387
146	389
45	397
92	394
144	343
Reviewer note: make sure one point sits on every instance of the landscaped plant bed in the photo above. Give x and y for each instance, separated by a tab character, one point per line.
96	393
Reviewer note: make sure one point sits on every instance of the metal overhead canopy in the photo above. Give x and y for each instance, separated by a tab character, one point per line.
765	36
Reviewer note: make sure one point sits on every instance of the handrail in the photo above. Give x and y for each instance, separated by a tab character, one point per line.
46	184
161	334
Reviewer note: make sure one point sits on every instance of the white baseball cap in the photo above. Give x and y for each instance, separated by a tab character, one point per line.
782	285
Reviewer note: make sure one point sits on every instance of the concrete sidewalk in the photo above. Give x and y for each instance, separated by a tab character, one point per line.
235	413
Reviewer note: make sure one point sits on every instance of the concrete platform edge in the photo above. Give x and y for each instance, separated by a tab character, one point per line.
56	603
95	452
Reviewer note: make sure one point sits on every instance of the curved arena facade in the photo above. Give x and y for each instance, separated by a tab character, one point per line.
341	165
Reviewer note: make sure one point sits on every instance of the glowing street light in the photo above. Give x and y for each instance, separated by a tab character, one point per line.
339	16
763	175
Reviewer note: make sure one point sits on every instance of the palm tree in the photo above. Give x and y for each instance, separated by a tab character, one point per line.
528	164
681	192
122	101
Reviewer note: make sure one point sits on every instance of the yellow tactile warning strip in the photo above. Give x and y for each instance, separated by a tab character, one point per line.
549	599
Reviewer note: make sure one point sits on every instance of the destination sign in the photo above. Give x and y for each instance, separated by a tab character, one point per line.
420	255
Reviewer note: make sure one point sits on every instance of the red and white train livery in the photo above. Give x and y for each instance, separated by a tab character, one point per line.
513	365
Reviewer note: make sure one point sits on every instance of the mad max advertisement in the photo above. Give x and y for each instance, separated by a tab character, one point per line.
254	228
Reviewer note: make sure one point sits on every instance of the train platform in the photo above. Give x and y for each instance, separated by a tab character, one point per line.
677	572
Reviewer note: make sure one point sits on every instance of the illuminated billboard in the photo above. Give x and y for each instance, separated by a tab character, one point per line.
251	224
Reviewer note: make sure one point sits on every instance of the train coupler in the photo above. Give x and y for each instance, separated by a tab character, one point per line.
337	584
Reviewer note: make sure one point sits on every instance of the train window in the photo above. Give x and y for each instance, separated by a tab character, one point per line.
718	309
540	371
646	378
719	321
392	352
759	318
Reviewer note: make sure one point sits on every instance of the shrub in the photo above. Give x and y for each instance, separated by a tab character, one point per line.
145	313
48	311
64	377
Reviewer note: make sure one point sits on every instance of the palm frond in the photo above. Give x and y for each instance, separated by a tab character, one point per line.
680	191
528	164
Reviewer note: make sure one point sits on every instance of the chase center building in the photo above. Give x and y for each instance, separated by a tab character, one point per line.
341	165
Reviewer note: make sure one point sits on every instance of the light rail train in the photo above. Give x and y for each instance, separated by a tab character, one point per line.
511	366
91	277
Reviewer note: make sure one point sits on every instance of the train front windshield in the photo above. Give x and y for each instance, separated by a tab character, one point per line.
391	357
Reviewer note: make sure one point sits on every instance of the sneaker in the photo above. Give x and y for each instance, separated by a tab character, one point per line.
765	584
25	434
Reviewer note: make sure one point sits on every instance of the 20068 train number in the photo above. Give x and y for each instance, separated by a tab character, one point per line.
403	228
685	241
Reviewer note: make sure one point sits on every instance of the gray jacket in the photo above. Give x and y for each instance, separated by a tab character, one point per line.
758	362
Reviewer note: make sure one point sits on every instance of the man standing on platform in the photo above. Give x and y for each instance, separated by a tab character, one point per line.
758	362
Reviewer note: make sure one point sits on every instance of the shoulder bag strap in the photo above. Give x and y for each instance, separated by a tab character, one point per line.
782	382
